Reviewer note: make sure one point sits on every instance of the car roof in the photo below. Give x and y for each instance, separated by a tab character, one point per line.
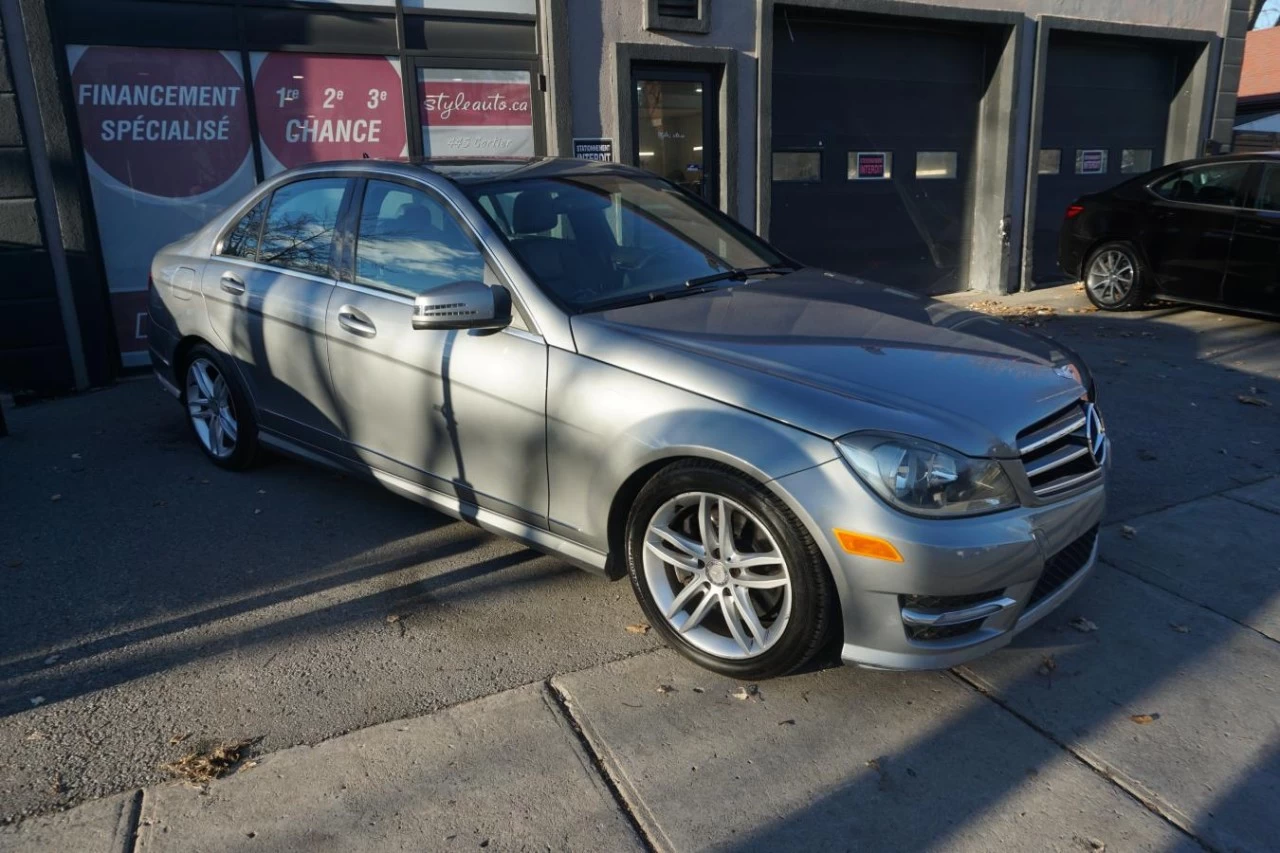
480	170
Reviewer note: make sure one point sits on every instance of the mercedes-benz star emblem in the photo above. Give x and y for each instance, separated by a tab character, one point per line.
1095	433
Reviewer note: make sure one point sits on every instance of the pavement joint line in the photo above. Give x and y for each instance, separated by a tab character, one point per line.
130	821
1247	502
1181	597
1240	484
1129	787
645	827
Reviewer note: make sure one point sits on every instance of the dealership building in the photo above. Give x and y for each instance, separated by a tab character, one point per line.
931	145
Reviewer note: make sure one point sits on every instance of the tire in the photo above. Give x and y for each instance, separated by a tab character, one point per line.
792	597
227	429
1115	278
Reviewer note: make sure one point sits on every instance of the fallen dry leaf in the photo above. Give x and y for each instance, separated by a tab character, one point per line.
179	738
52	659
36	734
75	455
664	689
55	498
1128	532
203	766
1083	625
747	691
638	628
1047	665
1143	719
698	690
1181	629
1252	401
13	564
787	723
393	618
37	700
1147	456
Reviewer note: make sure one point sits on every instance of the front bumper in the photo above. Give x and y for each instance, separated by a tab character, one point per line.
960	569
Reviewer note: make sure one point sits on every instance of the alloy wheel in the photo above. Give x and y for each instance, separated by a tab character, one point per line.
211	408
717	575
1111	277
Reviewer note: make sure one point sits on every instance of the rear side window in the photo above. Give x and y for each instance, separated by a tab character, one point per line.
300	223
242	242
409	242
1221	184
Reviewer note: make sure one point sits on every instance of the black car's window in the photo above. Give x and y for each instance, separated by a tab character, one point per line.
409	242
592	239
242	242
1269	188
1220	184
300	222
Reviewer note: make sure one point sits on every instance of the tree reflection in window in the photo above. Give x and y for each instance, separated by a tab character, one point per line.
300	224
409	242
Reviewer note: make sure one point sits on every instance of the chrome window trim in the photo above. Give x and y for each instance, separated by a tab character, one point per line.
231	259
1148	186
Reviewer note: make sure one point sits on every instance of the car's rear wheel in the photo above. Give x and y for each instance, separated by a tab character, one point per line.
1114	278
218	410
726	573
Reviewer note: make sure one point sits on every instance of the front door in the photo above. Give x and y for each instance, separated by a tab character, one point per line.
266	293
675	119
1253	277
460	412
1192	223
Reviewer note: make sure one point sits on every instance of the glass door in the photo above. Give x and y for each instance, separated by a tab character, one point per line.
676	134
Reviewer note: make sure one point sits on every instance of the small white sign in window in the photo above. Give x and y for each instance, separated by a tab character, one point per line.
870	165
1091	161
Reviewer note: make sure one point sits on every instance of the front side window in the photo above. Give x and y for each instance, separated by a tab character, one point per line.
408	241
1221	184
300	222
242	242
1269	189
595	240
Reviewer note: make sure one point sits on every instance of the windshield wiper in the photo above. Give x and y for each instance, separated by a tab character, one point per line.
645	298
736	274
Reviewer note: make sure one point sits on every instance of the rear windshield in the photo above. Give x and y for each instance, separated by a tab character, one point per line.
593	240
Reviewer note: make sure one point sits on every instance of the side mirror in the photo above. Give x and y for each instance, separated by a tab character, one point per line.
463	305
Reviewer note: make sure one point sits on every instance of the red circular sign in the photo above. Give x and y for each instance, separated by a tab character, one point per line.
313	108
164	122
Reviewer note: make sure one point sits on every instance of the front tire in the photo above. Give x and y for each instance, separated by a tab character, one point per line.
218	410
726	573
1114	278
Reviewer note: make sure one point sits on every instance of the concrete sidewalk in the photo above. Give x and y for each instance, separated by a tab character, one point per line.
1143	715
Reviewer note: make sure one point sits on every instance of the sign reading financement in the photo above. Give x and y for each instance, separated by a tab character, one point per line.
466	112
600	150
167	145
313	107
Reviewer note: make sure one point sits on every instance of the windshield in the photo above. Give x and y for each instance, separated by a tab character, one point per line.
592	241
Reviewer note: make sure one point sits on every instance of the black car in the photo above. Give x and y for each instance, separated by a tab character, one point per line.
1200	231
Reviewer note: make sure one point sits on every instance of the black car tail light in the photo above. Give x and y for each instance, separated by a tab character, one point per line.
1074	210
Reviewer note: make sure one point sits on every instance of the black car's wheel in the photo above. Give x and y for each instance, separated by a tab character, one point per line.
1114	278
726	573
218	410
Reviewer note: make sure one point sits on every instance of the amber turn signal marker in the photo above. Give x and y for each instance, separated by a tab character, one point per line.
867	546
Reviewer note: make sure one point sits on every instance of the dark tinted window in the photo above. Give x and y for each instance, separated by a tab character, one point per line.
300	223
242	242
1220	184
1269	189
409	241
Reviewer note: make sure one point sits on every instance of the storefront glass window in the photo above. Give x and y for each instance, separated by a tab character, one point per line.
1135	161
167	145
471	113
314	107
509	7
933	165
1050	161
669	131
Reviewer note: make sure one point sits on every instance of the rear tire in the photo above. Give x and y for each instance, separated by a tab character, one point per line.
1115	278
755	604
218	409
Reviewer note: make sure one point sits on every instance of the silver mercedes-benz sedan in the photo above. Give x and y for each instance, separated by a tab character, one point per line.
587	359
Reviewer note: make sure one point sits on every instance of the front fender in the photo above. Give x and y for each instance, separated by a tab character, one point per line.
604	424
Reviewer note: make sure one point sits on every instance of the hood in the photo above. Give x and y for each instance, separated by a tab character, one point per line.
832	354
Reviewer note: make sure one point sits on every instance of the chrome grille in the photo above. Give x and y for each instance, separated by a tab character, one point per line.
1056	453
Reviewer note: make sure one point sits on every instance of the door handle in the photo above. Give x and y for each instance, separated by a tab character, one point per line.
356	322
231	283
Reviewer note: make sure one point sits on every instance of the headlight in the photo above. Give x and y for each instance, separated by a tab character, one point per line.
925	478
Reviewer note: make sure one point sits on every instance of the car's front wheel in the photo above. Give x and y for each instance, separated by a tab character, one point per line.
1114	278
726	573
218	410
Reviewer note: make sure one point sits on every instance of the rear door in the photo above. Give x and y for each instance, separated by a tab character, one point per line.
1191	226
460	412
267	293
1253	278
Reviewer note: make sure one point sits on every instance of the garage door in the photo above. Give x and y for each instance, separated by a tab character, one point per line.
873	145
1106	107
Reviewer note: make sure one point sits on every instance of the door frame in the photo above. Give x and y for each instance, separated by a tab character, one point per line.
722	63
1189	112
710	116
